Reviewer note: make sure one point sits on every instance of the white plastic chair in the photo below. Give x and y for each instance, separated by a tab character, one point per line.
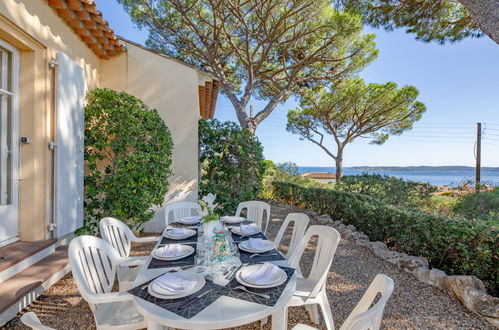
93	264
32	321
311	291
254	212
300	222
178	210
362	317
120	236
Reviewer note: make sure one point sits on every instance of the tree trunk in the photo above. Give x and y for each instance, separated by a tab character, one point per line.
486	14
339	167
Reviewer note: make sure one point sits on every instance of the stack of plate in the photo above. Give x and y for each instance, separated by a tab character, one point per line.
267	246
237	231
243	273
179	233
157	290
183	251
190	220
232	219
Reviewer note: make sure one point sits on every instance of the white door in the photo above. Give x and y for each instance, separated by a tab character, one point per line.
9	144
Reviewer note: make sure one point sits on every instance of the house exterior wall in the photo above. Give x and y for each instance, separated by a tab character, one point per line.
38	33
172	89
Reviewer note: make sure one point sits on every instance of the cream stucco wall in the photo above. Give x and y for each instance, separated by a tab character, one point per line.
36	30
172	89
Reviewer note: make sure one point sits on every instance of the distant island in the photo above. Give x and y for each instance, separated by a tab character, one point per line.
421	168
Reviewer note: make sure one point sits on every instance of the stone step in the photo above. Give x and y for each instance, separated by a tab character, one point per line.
23	288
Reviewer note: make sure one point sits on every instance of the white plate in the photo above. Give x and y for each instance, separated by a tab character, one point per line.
244	246
280	279
190	220
232	219
156	291
236	231
190	233
185	250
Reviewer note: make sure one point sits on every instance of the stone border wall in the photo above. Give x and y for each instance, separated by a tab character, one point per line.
468	289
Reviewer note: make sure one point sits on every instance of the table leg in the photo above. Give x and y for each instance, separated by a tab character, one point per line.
279	320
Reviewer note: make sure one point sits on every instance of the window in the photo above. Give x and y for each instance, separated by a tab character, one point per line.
6	123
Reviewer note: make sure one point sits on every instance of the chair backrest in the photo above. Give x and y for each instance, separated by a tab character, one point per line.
118	234
300	222
363	317
93	264
178	210
32	321
328	239
254	212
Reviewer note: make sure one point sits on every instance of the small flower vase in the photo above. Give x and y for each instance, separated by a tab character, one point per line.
220	246
209	229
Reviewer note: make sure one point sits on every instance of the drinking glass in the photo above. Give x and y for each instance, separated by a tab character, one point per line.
234	253
200	260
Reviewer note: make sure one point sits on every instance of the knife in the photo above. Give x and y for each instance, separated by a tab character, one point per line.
187	304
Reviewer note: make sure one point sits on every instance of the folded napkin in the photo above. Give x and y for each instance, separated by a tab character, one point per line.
172	250
257	243
174	283
194	218
264	274
178	232
248	229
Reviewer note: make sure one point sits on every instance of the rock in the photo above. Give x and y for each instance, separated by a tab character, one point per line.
379	246
347	234
436	277
456	284
351	228
324	219
481	303
422	274
410	262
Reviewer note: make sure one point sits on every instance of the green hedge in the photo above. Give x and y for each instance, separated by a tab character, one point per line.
455	245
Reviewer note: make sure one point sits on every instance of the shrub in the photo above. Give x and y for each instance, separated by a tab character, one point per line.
389	189
232	164
479	205
288	167
128	157
273	173
456	245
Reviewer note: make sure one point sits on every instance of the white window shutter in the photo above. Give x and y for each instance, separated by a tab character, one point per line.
69	146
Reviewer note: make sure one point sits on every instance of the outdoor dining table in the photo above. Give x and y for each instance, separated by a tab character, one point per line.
219	309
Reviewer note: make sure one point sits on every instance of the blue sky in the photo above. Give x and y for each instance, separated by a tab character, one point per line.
458	83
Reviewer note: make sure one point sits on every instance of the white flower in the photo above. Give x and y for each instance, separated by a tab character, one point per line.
210	201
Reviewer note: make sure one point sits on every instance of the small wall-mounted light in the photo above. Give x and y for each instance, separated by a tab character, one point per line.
25	140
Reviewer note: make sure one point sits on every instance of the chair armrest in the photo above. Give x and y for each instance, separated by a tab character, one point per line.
147	239
133	261
103	298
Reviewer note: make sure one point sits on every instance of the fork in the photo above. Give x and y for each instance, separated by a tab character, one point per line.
262	255
263	295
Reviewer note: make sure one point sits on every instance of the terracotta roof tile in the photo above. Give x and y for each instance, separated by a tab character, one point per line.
88	23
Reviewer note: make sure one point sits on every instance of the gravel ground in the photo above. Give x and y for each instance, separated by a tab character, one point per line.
413	305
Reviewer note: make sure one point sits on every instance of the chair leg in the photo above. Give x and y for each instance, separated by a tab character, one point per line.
326	310
313	313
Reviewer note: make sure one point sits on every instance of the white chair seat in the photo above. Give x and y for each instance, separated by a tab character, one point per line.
119	315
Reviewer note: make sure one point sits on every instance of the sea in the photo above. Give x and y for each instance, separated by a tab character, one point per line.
436	177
